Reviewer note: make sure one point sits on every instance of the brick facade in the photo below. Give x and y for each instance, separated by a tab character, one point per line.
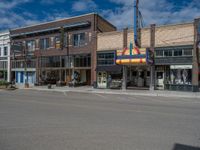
167	35
94	24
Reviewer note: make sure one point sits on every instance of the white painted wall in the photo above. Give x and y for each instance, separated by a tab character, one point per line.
5	42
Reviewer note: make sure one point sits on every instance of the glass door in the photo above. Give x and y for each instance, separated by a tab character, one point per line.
160	80
102	80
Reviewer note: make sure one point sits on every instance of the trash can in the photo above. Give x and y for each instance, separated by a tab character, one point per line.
95	84
49	86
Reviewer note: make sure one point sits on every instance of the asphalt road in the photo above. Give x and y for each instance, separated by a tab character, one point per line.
35	120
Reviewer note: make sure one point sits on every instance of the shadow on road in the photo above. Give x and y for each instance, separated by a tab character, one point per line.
184	147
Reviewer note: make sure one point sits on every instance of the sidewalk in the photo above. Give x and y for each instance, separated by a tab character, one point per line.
89	89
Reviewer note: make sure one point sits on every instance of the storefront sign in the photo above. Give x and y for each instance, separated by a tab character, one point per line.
181	67
134	56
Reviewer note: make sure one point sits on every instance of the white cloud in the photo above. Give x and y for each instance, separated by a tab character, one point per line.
84	5
9	19
11	4
50	2
156	11
56	15
13	20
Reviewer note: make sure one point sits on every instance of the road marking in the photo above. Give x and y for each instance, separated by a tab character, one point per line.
65	93
104	97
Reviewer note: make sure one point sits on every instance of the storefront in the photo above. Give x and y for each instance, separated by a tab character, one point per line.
22	74
3	70
138	76
174	68
22	77
65	68
109	75
137	63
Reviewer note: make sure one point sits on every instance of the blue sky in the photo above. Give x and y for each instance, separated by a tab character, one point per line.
18	13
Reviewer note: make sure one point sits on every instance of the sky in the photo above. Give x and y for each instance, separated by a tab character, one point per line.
19	13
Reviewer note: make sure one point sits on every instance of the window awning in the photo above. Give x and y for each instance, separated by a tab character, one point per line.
112	68
66	26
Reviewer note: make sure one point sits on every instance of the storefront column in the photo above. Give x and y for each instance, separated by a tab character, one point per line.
152	66
195	65
124	82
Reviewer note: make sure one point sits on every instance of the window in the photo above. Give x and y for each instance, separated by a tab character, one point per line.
82	61
5	52
187	52
159	53
168	53
31	63
181	76
44	43
57	42
30	45
79	39
178	52
0	51
105	59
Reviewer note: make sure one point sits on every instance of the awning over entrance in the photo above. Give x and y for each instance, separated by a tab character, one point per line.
113	68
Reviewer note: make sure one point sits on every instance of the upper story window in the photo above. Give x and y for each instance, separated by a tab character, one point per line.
57	42
79	39
159	53
187	52
30	45
5	51
174	52
168	53
105	59
44	43
178	52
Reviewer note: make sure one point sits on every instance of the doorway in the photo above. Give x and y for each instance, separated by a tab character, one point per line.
160	80
102	80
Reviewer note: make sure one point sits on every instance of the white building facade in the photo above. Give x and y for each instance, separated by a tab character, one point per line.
5	56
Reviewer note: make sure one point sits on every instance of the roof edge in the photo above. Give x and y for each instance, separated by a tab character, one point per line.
52	21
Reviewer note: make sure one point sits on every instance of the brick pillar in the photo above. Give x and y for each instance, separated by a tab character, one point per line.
93	57
195	64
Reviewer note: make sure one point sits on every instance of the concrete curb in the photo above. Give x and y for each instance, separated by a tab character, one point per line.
154	94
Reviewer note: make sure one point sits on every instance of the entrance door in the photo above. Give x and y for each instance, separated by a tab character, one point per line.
102	80
160	80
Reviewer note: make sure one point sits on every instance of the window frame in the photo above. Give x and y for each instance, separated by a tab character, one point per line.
78	42
46	45
106	59
5	50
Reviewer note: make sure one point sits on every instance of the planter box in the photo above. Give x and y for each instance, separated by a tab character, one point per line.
3	86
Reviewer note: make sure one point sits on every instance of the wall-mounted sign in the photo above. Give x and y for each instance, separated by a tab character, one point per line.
136	56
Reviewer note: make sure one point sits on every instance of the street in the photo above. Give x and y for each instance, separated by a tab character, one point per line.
36	120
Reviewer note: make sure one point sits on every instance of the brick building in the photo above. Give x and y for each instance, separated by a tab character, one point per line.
58	51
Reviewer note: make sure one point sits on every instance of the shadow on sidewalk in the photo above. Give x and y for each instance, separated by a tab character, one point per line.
184	147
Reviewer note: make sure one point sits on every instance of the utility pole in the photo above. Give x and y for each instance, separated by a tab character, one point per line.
25	66
152	66
124	84
195	65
